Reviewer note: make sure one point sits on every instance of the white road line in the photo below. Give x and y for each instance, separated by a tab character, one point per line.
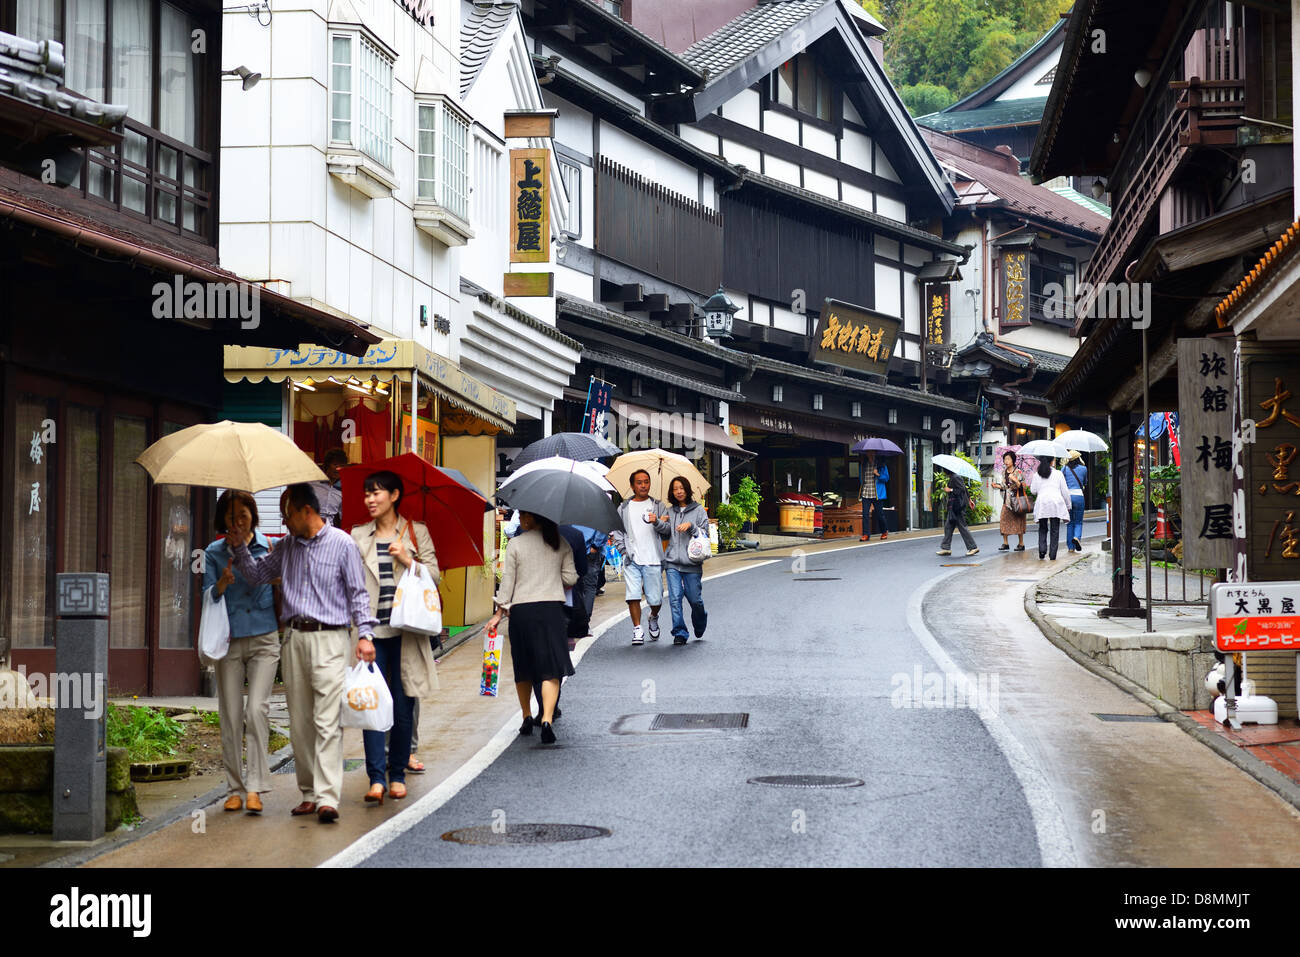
385	833
1054	845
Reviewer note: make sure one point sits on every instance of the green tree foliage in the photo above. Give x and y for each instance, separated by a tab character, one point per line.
923	98
958	45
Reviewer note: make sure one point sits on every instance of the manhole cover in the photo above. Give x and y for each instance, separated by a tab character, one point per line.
814	578
698	722
1130	717
807	781
526	834
351	764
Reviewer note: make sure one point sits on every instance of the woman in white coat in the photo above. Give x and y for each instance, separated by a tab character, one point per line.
1051	506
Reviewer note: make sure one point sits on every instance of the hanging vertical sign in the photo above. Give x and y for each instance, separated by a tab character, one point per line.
594	418
1205	390
1272	473
938	313
530	201
1015	276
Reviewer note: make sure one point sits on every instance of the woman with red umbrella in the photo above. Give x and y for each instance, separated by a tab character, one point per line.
389	545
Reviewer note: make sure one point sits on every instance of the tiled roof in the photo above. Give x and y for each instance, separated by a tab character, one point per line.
1284	249
748	33
986	345
996	114
479	31
1074	196
30	71
985	186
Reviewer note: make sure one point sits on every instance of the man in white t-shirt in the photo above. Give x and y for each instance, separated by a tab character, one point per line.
645	522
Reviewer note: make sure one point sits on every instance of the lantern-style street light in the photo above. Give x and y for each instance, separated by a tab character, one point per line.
719	312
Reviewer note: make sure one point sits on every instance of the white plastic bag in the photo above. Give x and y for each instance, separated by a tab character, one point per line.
214	626
417	606
699	549
367	702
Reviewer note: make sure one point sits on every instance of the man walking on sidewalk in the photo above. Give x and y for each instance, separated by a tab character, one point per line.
872	494
958	502
645	523
323	589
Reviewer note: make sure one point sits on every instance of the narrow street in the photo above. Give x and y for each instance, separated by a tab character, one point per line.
941	786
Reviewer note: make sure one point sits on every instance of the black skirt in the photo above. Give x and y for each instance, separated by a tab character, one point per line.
539	648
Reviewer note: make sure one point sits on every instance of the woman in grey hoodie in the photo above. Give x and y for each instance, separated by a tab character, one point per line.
686	516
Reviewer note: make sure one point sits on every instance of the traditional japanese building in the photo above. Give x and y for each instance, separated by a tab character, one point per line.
769	159
113	318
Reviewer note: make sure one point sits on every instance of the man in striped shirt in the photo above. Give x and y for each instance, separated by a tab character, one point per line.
323	590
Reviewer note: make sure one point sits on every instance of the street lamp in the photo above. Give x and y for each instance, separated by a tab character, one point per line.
719	312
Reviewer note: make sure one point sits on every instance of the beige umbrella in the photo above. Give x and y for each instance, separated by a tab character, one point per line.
663	468
243	455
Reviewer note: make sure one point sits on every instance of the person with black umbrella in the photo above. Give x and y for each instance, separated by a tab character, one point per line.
538	567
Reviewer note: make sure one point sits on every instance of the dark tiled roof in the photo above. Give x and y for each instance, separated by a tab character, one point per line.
998	113
748	33
987	186
479	31
30	71
984	344
514	312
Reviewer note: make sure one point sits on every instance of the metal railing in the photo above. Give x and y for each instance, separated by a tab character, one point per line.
1172	582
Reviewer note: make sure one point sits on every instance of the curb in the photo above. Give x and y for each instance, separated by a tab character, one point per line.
1240	758
75	859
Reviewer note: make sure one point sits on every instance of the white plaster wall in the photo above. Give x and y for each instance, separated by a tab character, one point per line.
821	183
892	208
863	199
1026	87
887	293
780	169
785	318
855	149
739	155
819	140
782	126
743	108
648	162
697	137
884	167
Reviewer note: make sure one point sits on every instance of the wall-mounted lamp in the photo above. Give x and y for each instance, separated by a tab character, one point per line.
1142	77
1098	189
424	317
248	77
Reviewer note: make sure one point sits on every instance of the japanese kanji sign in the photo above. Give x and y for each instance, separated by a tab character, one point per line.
854	338
1205	388
1272	471
1256	617
1015	283
530	201
938	313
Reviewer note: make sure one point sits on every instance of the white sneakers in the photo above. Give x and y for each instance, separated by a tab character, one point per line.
636	636
654	627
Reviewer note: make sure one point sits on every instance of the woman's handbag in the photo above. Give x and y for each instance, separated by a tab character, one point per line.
699	548
1017	500
417	606
491	664
367	702
214	626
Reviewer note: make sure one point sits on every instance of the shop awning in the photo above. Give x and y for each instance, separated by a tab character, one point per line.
686	429
385	361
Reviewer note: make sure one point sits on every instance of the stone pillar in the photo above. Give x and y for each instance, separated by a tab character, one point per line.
79	687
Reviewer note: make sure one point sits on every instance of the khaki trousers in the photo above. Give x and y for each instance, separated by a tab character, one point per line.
253	657
314	664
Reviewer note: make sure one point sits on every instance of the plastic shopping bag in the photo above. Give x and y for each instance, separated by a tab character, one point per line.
417	606
367	702
699	548
214	626
491	664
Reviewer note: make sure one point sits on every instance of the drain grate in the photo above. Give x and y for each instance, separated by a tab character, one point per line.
814	578
698	722
526	834
351	764
807	781
1129	717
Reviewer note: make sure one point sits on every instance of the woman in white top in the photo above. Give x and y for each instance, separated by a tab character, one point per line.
538	567
1051	505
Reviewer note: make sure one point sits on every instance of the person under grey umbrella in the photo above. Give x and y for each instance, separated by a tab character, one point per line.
570	445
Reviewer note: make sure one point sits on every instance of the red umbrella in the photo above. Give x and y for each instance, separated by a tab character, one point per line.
453	512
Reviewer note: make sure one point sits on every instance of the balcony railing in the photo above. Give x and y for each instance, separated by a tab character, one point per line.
154	178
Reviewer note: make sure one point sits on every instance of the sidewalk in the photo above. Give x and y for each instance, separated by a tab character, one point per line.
1164	669
184	822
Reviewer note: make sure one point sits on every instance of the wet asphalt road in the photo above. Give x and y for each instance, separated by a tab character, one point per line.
812	657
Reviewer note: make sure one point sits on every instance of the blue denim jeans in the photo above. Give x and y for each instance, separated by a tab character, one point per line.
388	659
1075	528
689	584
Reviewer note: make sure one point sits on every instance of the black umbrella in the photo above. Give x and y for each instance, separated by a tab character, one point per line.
571	445
566	498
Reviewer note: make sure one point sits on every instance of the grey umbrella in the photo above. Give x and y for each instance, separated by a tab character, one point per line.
571	445
566	498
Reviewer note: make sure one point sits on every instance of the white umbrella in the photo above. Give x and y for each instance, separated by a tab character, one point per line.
1044	449
955	465
663	467
1082	440
592	471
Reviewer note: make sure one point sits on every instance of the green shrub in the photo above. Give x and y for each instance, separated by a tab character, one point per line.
146	733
